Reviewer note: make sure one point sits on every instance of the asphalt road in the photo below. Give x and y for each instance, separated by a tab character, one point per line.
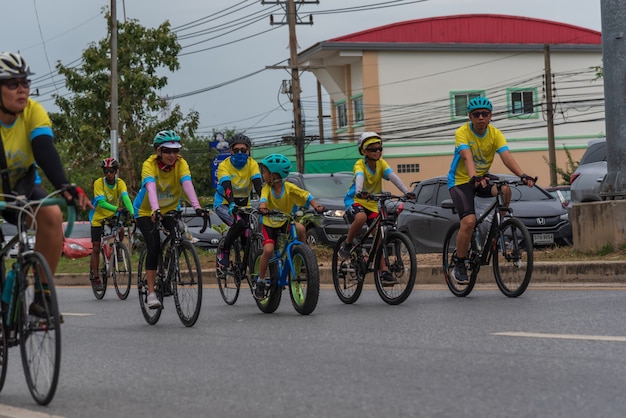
550	353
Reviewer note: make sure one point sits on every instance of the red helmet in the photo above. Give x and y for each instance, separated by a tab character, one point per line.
110	163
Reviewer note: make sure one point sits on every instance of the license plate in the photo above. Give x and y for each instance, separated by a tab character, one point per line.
543	239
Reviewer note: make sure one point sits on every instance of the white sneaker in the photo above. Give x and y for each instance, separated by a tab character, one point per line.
153	301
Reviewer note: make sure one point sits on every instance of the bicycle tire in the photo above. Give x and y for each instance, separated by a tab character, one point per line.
347	276
401	254
40	337
121	270
4	348
449	251
274	293
102	272
304	288
150	315
187	284
228	280
513	269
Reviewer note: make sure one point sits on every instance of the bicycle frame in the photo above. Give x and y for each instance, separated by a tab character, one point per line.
282	253
494	210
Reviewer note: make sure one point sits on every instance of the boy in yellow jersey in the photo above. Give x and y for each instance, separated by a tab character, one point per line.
108	191
475	146
369	173
278	194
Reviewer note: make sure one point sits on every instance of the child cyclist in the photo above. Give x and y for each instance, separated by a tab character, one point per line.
278	194
369	172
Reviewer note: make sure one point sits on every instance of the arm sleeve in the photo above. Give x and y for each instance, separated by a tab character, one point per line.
128	204
258	185
48	159
358	183
228	190
106	205
152	195
393	177
191	194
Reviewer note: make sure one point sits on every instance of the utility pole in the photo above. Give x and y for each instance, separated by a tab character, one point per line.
550	116
292	21
114	119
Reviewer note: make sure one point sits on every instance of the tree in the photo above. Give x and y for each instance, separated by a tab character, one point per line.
83	125
570	167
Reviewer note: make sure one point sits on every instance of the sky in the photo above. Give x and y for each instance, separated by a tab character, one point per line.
225	41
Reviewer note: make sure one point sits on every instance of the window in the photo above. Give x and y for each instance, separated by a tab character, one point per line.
522	102
357	107
460	101
342	115
426	194
408	168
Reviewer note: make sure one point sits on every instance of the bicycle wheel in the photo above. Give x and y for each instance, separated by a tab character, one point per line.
513	258
40	335
304	287
274	293
150	315
187	283
102	272
449	251
347	276
229	280
402	264
4	348
121	270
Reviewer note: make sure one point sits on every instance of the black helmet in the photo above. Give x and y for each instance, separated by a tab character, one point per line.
239	139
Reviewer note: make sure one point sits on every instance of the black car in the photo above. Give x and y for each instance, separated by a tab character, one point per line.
329	190
426	221
210	237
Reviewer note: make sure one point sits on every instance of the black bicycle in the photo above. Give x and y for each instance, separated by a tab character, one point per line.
29	279
179	273
241	258
388	247
506	243
114	257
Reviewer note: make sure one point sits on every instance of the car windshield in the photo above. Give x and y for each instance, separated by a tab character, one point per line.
328	187
80	229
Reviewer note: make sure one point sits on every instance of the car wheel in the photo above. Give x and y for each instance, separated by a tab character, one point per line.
312	237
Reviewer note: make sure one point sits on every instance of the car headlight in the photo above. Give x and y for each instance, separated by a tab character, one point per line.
564	217
77	247
335	213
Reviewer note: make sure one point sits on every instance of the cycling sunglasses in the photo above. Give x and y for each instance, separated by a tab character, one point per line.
14	84
484	114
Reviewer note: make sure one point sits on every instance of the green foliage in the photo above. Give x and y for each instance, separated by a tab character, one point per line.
570	167
606	249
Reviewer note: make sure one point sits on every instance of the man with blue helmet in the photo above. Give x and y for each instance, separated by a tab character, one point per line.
475	146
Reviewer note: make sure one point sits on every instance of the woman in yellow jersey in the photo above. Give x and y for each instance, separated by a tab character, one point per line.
164	177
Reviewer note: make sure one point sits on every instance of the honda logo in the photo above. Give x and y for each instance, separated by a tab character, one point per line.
541	221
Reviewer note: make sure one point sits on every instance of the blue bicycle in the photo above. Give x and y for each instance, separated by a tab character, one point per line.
294	265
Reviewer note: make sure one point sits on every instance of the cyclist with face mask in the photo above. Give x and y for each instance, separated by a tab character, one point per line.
236	176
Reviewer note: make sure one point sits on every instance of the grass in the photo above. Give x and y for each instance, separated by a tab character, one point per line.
324	256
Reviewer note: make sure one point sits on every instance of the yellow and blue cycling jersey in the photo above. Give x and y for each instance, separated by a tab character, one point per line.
372	183
168	185
289	200
240	179
483	149
31	123
106	199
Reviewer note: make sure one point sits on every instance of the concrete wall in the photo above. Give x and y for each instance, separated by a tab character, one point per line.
596	224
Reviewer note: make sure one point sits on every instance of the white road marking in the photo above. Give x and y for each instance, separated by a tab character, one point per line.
13	412
562	336
76	314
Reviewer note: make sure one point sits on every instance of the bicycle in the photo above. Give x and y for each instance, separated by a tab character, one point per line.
294	265
114	258
39	337
387	246
179	273
240	265
507	242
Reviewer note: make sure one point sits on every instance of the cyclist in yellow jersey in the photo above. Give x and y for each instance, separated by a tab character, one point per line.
28	143
164	177
475	146
108	191
236	176
278	194
369	173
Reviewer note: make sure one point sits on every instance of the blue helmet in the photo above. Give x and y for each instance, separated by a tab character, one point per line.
277	163
168	138
479	103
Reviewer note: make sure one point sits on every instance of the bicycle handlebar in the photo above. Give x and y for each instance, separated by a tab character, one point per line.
22	205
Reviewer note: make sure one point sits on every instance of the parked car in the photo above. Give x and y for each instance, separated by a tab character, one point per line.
586	181
426	221
329	190
78	244
562	193
210	237
8	232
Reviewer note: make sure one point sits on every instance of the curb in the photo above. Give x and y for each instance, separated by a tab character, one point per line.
597	272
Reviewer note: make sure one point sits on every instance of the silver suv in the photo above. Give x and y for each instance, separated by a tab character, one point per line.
586	181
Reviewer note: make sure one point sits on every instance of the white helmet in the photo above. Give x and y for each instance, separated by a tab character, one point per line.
365	138
13	66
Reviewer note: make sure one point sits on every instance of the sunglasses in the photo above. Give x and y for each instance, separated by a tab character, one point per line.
484	114
14	84
170	150
239	150
109	170
374	149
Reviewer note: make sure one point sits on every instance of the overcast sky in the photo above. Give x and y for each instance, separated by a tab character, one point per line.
234	38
